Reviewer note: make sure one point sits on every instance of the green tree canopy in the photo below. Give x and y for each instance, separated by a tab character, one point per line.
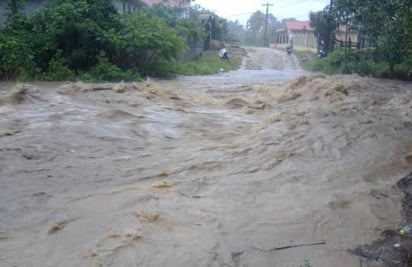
383	23
145	39
14	7
255	28
383	27
324	24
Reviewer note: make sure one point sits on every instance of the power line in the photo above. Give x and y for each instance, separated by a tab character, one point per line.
240	14
292	4
280	7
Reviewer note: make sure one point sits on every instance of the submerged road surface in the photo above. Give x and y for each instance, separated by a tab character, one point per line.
257	167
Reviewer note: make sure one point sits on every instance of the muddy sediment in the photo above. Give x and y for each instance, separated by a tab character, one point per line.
208	172
392	249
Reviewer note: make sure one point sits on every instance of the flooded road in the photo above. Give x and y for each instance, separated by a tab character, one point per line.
257	167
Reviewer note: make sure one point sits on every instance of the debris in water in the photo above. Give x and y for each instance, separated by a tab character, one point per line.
376	194
393	249
129	235
115	235
8	133
57	226
237	103
147	216
164	184
134	236
339	204
15	95
119	87
291	246
408	158
406	230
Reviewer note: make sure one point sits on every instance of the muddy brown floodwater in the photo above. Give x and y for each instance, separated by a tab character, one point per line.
265	166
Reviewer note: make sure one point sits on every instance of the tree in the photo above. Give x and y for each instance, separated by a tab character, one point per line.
16	57
384	26
255	28
76	29
89	38
237	32
407	20
324	24
383	22
145	42
219	28
13	7
189	28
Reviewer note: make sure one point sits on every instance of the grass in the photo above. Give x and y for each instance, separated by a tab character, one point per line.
355	61
210	63
311	63
306	59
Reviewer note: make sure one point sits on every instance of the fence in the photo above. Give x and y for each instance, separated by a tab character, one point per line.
361	43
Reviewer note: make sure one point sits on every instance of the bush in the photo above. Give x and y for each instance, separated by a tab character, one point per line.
361	63
145	41
58	70
16	58
380	69
106	71
404	70
66	38
76	28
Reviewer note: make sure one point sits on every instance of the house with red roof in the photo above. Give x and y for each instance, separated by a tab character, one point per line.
298	34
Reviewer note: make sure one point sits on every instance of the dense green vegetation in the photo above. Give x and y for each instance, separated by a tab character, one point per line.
90	39
384	29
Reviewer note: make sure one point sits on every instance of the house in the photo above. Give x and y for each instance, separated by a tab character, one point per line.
171	3
297	33
345	37
183	5
129	5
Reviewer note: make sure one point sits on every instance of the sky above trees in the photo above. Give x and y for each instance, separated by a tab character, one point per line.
242	10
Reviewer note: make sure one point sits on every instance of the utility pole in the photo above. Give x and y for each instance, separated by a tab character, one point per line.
266	23
331	38
333	32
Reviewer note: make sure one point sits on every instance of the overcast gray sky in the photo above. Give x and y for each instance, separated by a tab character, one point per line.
242	9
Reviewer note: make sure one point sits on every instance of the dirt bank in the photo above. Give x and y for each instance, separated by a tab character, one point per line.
201	171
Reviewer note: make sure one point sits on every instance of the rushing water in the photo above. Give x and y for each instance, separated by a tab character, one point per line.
232	169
